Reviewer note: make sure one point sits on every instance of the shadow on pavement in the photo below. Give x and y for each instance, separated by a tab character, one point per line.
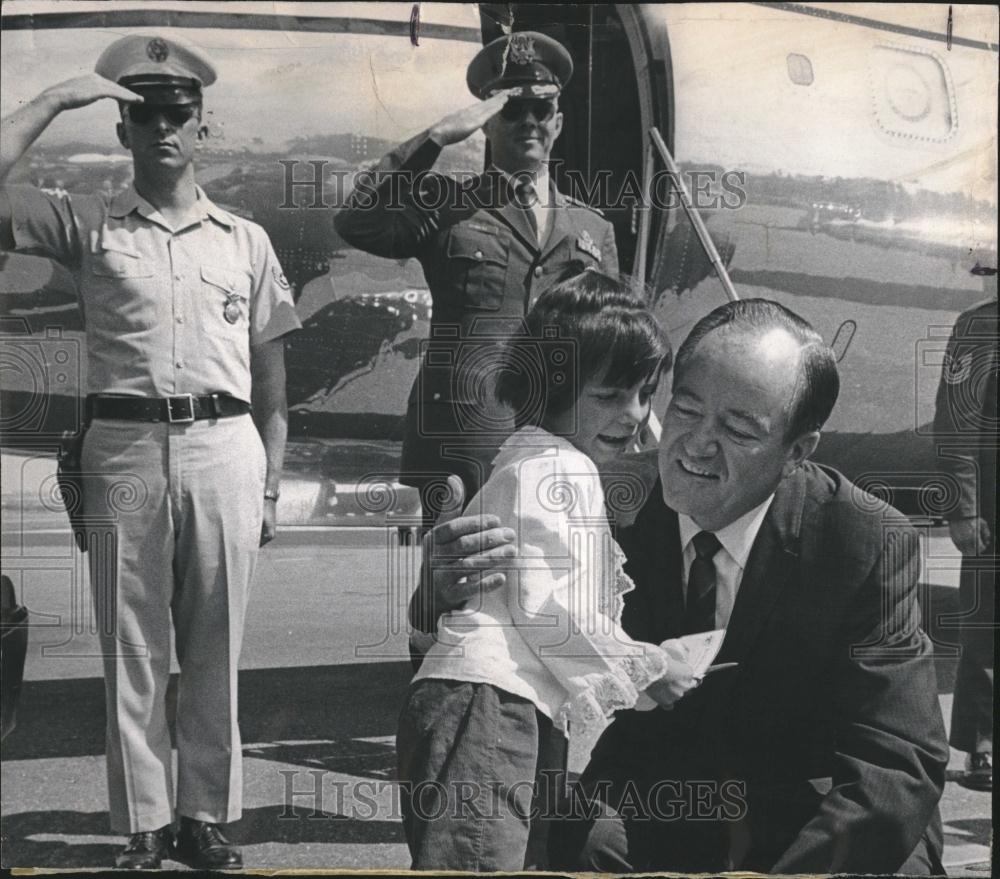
269	824
340	755
331	704
19	850
305	825
316	717
963	831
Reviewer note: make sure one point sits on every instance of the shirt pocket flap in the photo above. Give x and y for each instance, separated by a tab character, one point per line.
478	246
117	259
232	283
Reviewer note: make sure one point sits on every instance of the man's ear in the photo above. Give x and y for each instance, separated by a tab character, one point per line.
122	133
558	124
203	132
490	127
800	449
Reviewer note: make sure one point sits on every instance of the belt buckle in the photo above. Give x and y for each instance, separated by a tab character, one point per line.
186	404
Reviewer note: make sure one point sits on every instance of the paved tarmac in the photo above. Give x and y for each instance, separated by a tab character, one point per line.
324	671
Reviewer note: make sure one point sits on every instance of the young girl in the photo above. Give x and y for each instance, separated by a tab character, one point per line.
547	652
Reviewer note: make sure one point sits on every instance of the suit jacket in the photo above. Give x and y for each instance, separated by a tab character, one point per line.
835	681
484	267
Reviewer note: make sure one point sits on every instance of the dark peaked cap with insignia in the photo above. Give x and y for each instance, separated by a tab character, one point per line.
162	70
529	64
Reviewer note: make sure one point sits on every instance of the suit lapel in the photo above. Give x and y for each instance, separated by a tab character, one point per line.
770	567
652	548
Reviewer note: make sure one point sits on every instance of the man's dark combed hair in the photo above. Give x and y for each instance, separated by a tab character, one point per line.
819	383
589	326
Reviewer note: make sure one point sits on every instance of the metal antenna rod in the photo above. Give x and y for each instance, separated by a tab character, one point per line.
693	215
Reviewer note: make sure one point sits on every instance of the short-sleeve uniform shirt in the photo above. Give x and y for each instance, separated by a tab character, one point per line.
167	310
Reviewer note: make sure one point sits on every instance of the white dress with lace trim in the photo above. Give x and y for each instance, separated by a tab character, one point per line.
619	686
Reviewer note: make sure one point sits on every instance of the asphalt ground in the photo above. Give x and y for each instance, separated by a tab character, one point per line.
324	669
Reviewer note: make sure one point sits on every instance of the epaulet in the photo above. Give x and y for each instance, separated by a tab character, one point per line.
583	204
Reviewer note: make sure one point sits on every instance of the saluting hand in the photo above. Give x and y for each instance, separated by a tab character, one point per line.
456	127
83	90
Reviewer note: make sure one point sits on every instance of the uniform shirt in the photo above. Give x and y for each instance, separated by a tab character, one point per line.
153	296
737	540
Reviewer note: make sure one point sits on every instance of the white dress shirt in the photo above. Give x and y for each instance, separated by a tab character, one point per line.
737	540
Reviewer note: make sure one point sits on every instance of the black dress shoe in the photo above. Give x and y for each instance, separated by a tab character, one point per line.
978	771
146	850
203	846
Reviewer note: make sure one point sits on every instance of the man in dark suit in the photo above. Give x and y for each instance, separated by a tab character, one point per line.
489	246
822	750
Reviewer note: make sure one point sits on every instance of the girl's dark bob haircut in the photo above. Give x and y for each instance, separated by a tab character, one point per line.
589	326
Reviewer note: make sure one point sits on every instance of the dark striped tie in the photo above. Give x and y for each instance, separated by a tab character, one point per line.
699	614
526	198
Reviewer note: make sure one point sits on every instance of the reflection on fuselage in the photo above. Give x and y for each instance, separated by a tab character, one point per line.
851	213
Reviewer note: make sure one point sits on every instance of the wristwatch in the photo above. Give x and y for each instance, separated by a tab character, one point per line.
272	494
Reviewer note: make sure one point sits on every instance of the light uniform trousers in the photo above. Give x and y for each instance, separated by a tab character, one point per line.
185	502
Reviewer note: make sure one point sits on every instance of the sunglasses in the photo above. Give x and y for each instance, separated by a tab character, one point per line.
543	110
175	114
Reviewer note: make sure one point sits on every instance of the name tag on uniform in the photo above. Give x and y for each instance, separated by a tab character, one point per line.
483	227
587	245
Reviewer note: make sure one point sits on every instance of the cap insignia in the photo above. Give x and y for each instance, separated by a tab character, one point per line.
157	50
522	49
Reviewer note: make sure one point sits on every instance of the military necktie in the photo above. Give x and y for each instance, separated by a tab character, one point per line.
527	198
699	613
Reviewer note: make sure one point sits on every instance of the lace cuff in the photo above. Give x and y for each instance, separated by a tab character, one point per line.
609	691
611	599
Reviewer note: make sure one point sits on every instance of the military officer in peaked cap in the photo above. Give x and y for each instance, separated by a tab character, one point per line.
488	246
185	307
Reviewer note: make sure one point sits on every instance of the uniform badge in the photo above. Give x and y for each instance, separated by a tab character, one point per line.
157	50
232	310
280	279
522	49
587	245
957	369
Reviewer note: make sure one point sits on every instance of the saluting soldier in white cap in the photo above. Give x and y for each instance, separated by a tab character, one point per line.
185	306
488	247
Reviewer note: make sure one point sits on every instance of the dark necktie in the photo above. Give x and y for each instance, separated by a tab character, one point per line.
526	198
699	613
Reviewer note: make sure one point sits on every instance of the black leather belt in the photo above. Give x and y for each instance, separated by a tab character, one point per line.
180	409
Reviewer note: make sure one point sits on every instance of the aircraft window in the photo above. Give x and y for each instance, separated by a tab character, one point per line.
913	93
800	69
